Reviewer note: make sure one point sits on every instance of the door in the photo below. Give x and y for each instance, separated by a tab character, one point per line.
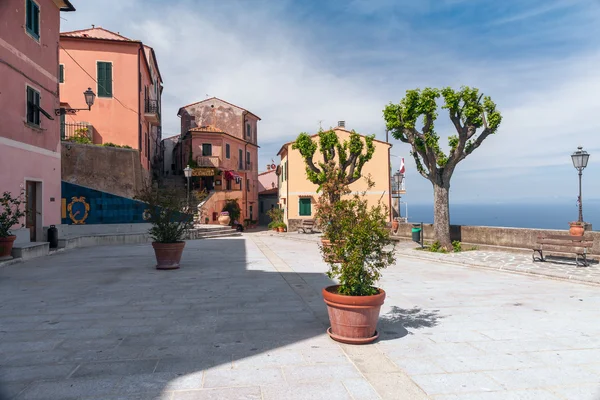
31	210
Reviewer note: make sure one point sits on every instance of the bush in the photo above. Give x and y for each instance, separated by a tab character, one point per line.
166	213
11	212
457	246
119	146
276	214
233	208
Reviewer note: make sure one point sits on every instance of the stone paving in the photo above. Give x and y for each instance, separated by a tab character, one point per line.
243	319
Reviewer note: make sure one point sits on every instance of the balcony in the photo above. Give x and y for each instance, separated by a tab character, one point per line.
245	166
79	132
152	111
208	161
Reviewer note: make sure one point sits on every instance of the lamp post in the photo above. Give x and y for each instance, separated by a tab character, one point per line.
580	160
89	96
187	171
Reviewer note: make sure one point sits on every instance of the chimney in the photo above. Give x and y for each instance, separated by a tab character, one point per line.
341	124
268	167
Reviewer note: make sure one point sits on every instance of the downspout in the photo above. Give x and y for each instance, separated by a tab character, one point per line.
139	79
245	192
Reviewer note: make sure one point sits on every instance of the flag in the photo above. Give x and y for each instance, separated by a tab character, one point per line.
402	169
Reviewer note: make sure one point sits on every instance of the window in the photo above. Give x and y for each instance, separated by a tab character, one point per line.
61	73
206	149
262	207
305	206
104	75
248	130
32	18
227	151
248	185
248	160
240	159
33	106
227	184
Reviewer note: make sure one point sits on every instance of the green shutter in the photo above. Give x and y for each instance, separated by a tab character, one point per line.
305	207
36	20
32	18
61	73
104	79
30	105
227	151
36	111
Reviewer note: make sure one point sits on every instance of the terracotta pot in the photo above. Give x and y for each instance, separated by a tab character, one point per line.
353	318
6	245
395	225
168	255
224	219
279	229
576	229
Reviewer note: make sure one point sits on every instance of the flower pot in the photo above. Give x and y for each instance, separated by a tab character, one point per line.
576	229
168	255
353	318
6	245
224	219
395	225
279	229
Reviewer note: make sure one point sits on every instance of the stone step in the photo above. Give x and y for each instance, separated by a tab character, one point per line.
27	251
213	234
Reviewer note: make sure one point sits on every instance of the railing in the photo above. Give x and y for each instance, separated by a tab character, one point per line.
208	161
245	166
151	106
71	130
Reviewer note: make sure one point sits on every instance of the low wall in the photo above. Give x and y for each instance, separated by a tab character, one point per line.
108	169
523	238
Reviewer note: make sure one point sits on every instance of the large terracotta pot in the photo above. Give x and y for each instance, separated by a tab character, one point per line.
279	229
224	219
395	225
576	229
168	255
6	245
353	318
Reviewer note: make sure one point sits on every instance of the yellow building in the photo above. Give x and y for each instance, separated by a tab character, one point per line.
298	196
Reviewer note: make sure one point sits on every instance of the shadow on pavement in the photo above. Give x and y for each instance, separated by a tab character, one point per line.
396	323
102	323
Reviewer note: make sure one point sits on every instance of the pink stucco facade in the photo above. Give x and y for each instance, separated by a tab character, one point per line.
267	180
30	151
131	114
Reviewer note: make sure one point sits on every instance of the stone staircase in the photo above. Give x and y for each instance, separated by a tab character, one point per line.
211	232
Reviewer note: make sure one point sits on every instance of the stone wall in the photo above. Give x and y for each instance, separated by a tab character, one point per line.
522	238
108	169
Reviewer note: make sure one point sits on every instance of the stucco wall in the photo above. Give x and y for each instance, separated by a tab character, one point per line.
267	181
522	238
108	169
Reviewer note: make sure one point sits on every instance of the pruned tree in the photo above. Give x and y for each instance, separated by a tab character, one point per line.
474	117
352	154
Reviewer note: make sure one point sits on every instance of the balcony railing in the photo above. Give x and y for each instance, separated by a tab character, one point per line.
72	130
245	166
151	106
208	161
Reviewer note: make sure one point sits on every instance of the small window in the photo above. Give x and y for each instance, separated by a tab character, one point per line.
248	130
248	185
33	106
305	207
32	18
227	151
61	73
206	149
248	160
104	79
240	159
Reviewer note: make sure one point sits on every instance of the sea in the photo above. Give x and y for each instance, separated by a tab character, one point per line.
529	215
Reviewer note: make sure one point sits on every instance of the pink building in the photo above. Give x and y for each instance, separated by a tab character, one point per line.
219	140
268	189
125	76
29	129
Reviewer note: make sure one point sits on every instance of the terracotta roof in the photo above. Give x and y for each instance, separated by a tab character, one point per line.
335	129
267	172
226	102
270	191
97	33
206	128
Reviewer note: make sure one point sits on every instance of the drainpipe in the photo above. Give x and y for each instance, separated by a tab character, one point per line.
244	161
138	96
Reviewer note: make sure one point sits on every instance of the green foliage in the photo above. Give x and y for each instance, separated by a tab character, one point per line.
360	240
351	155
276	214
109	144
11	212
436	247
166	213
81	136
456	246
233	208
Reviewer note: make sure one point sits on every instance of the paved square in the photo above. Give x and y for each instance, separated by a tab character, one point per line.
243	319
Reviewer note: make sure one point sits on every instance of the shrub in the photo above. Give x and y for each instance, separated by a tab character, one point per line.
456	245
276	214
119	146
11	212
166	213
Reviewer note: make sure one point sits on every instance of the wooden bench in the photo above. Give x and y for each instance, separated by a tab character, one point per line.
566	244
307	225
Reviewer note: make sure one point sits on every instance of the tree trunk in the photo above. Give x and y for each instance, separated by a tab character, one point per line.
441	216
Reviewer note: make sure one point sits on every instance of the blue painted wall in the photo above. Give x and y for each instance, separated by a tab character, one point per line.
101	207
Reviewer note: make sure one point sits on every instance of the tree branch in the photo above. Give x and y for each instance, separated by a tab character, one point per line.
486	132
311	165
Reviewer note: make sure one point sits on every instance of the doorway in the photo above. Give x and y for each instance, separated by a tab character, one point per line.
33	214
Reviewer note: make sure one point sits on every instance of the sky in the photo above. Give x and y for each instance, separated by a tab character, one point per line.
302	64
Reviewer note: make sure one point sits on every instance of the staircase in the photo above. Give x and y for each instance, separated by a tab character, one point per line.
211	232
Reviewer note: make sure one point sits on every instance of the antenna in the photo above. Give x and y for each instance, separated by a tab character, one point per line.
321	124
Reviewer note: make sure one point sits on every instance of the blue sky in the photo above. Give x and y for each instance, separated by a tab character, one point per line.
299	63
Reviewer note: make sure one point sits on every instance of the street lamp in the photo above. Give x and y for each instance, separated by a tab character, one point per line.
89	96
580	160
187	171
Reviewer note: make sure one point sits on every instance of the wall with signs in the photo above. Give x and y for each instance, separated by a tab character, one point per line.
82	206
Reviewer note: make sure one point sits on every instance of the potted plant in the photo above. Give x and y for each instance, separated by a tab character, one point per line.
11	213
359	247
224	218
576	228
169	224
276	215
233	210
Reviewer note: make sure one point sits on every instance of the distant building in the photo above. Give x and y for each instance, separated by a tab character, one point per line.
219	141
124	75
167	149
267	193
298	196
29	127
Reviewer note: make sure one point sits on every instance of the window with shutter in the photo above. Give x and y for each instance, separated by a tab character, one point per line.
61	73
240	159
227	151
33	104
104	78
32	19
305	207
206	149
